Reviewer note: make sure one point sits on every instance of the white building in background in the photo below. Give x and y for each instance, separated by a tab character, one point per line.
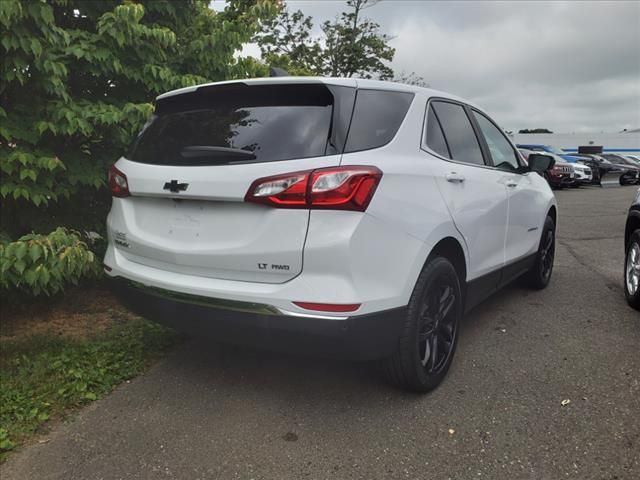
628	141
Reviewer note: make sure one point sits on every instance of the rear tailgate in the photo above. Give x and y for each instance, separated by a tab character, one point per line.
191	167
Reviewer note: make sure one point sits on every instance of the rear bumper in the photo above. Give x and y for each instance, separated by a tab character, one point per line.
358	337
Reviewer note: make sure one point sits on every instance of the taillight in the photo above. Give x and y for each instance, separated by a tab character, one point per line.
289	190
335	188
118	183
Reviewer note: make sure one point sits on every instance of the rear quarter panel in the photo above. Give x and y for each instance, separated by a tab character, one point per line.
407	207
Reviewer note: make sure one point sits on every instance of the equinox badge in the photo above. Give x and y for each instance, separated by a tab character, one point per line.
175	187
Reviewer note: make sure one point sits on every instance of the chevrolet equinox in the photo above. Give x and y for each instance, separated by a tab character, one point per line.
363	214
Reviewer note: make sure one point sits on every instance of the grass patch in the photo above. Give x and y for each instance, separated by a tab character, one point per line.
43	376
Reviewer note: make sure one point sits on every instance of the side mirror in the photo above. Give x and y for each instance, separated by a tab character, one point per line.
540	163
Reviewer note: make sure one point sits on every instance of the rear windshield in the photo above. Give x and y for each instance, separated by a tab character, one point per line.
241	123
238	123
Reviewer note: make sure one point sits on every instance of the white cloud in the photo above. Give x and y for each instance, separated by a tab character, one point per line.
568	66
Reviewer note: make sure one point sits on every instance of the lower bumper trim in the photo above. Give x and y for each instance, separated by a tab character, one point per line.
358	337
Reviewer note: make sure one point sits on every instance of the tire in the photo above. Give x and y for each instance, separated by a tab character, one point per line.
432	320
539	275
632	270
624	181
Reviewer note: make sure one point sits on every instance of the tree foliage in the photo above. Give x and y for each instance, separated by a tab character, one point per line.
410	79
44	264
355	46
350	45
286	42
77	81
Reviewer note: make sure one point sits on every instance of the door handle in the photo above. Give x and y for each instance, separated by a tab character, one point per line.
512	184
454	177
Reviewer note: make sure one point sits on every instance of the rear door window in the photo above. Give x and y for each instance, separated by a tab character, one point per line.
239	123
460	136
377	116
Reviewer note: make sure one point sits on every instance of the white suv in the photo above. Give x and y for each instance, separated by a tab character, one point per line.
359	215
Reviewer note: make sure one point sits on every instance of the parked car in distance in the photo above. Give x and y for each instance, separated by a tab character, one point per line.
561	174
551	149
593	165
368	215
633	168
583	174
632	254
614	158
607	169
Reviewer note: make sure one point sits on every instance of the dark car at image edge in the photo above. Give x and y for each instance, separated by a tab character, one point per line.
632	254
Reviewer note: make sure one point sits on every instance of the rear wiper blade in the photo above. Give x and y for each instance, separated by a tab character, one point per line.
225	153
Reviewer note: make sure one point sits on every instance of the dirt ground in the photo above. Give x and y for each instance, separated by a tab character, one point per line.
79	313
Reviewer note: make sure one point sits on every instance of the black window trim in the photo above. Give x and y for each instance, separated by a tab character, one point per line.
486	155
484	141
423	141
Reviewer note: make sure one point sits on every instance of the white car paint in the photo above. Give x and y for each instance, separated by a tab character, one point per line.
210	242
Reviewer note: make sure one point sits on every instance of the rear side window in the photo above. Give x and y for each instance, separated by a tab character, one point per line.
239	123
435	137
461	138
377	116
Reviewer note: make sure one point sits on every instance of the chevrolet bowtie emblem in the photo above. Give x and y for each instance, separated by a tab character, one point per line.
175	187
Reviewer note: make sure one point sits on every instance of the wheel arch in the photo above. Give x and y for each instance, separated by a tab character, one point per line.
553	213
451	249
633	224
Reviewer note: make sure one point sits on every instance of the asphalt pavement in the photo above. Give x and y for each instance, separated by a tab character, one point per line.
545	385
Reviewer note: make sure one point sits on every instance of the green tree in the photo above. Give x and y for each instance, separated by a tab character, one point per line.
355	46
351	45
77	81
286	42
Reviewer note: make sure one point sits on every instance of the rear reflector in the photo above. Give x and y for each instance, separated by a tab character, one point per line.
329	307
335	188
118	183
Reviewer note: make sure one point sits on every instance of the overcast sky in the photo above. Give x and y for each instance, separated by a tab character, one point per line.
568	66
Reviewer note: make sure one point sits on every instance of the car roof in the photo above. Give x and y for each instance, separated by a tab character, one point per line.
346	82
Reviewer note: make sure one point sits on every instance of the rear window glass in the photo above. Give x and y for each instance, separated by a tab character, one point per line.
377	116
459	133
238	123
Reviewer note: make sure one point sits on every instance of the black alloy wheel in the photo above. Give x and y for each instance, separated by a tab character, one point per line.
438	327
539	276
429	333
